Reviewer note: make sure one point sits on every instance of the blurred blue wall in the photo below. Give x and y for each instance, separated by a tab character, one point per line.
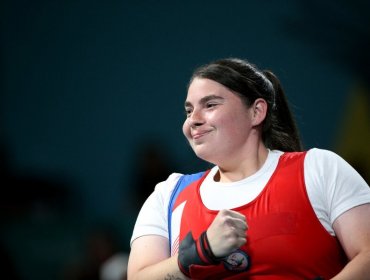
85	85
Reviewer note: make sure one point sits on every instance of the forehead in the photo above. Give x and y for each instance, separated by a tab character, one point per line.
200	88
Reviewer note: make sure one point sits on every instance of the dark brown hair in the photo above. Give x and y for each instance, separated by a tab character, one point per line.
279	130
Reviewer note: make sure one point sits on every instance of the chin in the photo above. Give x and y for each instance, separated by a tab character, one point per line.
205	155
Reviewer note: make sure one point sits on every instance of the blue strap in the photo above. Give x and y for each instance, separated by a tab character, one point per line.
184	181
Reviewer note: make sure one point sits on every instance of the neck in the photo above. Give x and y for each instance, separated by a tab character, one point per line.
243	166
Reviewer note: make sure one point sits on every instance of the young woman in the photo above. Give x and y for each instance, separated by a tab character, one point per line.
267	209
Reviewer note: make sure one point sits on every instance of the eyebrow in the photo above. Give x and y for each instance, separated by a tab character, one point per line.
205	99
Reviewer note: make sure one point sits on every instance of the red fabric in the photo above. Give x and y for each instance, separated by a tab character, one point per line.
285	240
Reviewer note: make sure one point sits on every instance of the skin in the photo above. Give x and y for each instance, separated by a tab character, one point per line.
223	131
214	113
353	231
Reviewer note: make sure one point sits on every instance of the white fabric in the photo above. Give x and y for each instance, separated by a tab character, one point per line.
217	195
333	187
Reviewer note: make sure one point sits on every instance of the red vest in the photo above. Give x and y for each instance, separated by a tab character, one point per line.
285	240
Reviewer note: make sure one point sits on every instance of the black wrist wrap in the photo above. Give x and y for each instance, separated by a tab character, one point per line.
196	252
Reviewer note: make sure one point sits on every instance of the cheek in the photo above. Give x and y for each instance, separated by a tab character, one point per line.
227	122
233	123
186	129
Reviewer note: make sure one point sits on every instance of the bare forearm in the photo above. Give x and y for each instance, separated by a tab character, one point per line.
358	268
165	270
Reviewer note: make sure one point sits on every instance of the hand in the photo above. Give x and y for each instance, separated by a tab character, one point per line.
227	232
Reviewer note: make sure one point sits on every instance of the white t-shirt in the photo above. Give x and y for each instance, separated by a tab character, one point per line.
333	187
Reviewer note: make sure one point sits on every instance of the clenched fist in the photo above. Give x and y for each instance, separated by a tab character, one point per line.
227	232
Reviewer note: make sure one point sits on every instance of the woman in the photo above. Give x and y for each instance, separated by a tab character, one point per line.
267	209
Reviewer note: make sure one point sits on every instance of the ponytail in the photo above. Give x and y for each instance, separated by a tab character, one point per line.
280	131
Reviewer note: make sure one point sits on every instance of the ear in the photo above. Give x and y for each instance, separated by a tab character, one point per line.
259	107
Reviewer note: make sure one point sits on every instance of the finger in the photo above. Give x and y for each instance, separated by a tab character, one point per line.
233	214
237	223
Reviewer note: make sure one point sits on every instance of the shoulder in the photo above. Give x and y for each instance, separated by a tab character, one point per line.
321	155
152	218
168	185
327	164
335	182
163	190
327	168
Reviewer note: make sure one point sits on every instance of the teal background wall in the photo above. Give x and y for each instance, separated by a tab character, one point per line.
86	86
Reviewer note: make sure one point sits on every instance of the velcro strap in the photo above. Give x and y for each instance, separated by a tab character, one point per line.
195	252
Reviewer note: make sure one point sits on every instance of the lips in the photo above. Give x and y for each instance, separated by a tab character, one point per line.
198	134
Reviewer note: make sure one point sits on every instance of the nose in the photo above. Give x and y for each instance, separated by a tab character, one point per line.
196	118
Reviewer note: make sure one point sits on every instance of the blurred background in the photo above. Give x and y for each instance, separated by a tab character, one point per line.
91	109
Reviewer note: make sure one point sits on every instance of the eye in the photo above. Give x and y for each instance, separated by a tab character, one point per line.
188	112
210	104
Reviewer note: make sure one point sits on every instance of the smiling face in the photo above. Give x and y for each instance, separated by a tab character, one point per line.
218	124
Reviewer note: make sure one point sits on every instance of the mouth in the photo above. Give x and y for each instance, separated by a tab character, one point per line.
199	134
